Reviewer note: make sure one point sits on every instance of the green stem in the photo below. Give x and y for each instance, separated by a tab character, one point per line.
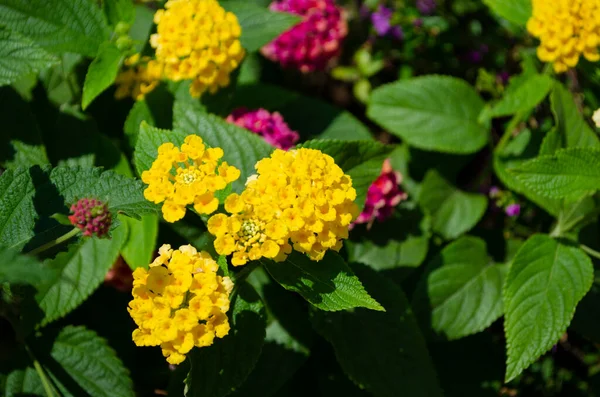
589	251
518	117
514	122
42	374
54	242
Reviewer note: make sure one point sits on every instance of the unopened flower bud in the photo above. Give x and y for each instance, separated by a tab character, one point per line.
91	216
124	43
122	28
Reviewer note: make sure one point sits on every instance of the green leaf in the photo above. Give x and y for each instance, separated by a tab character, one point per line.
76	26
362	160
466	296
219	369
242	148
516	11
119	11
259	24
141	27
406	247
544	284
63	86
23	379
138	113
575	215
567	173
82	363
101	73
552	142
527	148
382	352
453	212
328	284
30	197
287	342
22	269
141	241
436	113
19	56
453	254
524	98
148	141
410	252
310	117
223	265
122	194
571	126
79	271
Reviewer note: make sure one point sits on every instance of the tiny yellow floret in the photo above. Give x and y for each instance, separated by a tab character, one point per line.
567	29
190	175
197	40
299	199
180	302
139	77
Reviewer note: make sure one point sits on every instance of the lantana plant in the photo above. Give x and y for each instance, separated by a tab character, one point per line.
299	197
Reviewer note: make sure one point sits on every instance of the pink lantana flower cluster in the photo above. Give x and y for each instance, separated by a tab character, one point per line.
314	42
270	126
383	196
91	216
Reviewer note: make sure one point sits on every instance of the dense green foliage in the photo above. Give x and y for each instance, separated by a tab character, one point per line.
479	282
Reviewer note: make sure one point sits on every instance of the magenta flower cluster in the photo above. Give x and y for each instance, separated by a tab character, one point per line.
383	196
314	42
91	216
270	126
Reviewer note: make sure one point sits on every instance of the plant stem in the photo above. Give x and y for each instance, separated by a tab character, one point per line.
54	242
518	117
589	251
514	122
40	371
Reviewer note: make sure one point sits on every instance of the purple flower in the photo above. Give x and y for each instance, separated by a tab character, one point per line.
381	20
426	7
513	210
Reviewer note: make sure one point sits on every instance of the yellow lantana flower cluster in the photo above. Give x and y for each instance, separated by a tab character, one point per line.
567	29
141	76
299	199
197	40
180	302
190	175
